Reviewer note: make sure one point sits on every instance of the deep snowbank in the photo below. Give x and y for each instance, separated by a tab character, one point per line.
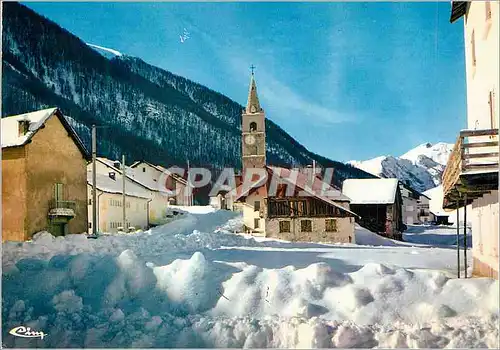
159	289
86	300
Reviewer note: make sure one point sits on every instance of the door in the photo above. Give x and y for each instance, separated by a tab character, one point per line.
58	192
58	229
409	220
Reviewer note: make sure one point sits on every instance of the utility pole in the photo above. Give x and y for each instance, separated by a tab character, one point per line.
458	240
94	181
124	197
465	235
189	198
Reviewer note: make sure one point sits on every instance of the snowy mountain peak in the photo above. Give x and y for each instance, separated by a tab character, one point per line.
439	152
422	167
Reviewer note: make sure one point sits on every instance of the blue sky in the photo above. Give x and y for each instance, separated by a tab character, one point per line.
347	80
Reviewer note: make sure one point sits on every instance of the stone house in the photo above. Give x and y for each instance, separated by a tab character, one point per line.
296	210
44	182
379	203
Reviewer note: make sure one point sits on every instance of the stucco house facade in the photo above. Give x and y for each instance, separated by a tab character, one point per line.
158	206
158	177
44	182
109	194
471	174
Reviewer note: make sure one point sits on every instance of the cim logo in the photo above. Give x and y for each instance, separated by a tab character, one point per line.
26	332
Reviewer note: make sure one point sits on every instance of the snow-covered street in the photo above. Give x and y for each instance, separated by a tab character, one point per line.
194	283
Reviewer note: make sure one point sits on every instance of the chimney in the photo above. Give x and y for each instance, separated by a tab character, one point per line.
23	126
112	175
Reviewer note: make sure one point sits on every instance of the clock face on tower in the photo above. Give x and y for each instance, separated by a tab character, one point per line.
249	139
252	109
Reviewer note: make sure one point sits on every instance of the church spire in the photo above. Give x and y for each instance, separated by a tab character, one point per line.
253	105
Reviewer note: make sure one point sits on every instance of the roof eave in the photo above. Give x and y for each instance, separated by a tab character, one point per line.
72	133
458	9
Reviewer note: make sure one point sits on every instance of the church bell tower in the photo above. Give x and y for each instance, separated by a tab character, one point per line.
253	130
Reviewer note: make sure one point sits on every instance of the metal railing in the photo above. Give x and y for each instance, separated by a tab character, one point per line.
59	204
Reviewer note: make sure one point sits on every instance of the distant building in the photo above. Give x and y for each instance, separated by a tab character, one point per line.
415	208
439	218
109	203
158	206
471	175
44	182
378	202
151	174
423	209
286	214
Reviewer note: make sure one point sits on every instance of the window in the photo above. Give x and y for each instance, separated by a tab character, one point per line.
143	169
256	223
90	201
256	205
58	192
491	103
284	226
253	126
90	225
330	225
305	226
473	48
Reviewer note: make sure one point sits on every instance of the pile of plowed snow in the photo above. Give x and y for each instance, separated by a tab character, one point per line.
84	300
158	289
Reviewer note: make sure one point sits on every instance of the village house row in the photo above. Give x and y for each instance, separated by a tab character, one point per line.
39	194
47	183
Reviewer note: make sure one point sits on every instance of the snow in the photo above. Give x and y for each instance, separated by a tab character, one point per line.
422	166
10	127
194	283
372	166
436	205
370	191
105	49
107	184
439	152
131	173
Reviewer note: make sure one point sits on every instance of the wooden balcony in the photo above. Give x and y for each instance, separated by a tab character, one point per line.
472	169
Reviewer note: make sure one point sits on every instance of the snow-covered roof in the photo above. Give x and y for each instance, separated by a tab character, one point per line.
158	168
10	131
371	191
10	128
106	184
129	172
318	184
302	183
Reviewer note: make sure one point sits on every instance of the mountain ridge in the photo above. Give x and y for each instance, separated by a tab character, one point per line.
421	167
149	113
